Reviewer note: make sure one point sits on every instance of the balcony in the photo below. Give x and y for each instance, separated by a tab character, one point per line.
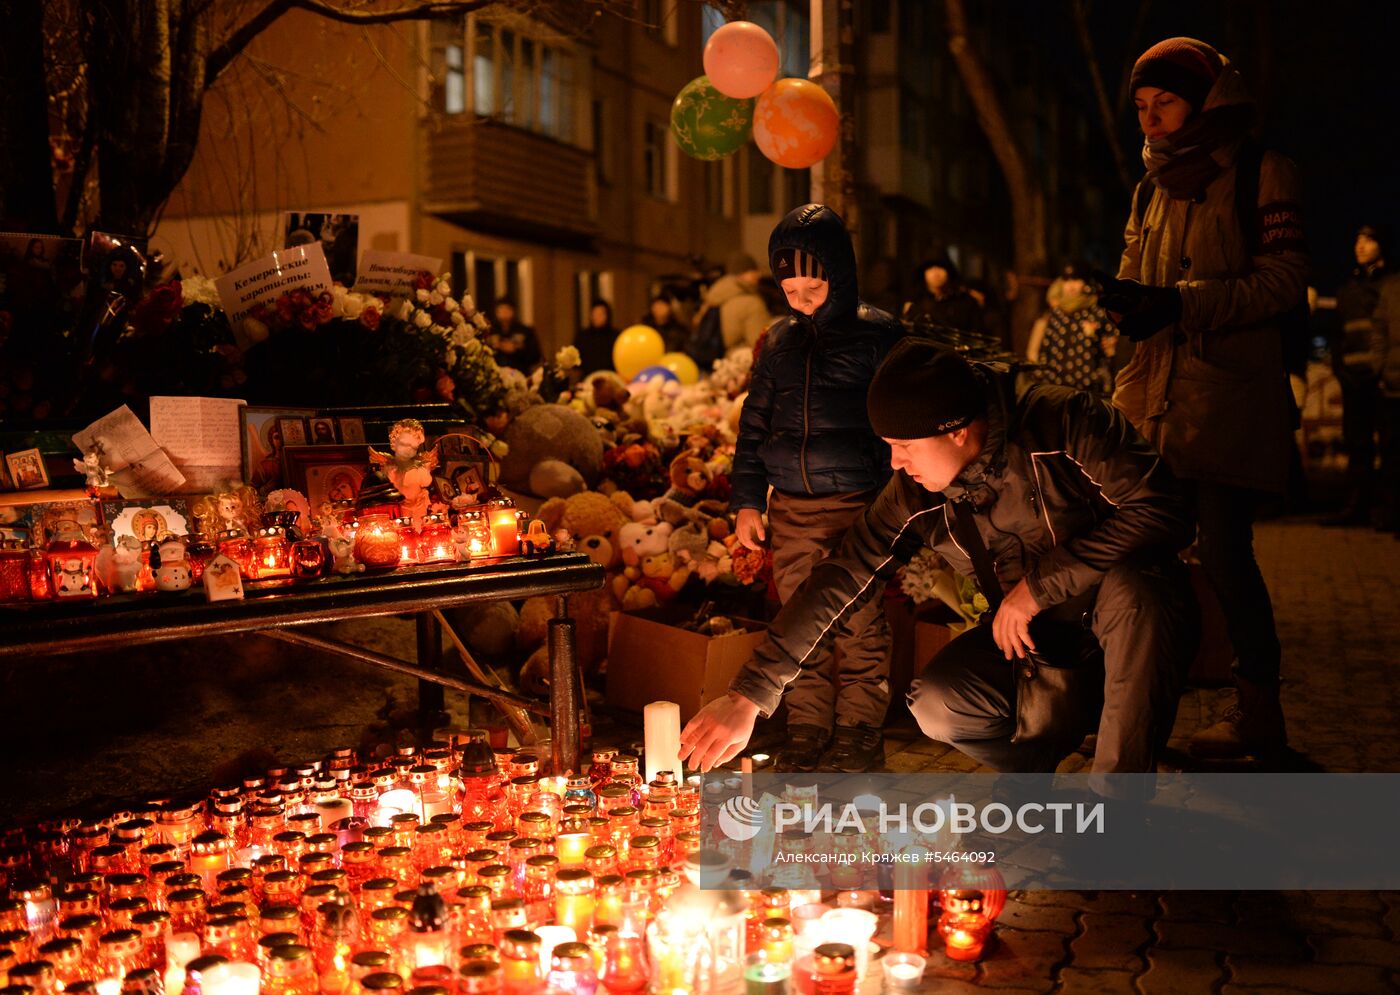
493	177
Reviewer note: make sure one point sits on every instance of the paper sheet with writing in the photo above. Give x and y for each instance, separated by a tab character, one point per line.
201	435
302	267
141	468
393	273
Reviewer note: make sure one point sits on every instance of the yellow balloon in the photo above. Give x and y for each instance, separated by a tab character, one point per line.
636	348
682	366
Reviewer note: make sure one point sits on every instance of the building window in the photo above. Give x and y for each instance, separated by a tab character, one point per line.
593	285
602	148
657	160
659	16
523	80
489	278
719	188
760	182
447	68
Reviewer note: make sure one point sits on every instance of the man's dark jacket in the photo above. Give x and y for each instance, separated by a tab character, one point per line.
804	428
1064	490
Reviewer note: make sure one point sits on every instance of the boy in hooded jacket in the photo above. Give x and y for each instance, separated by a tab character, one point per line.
805	434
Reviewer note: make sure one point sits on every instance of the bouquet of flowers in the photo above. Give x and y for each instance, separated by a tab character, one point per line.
927	578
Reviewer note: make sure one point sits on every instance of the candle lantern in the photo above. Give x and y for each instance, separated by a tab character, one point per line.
428	941
572	969
435	540
697	938
408	541
480	977
574	900
505	527
199	552
40	583
14	571
272	554
308	559
828	970
377	542
71	560
965	934
472	536
238	547
520	960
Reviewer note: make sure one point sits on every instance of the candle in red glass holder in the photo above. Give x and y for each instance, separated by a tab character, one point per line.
377	543
272	553
14	571
435	540
308	559
237	545
408	541
71	562
40	584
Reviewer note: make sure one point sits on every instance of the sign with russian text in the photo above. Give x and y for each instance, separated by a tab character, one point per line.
393	273
300	268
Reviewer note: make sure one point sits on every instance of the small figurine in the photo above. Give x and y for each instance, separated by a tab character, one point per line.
536	541
94	473
234	508
171	565
222	580
343	556
408	470
119	566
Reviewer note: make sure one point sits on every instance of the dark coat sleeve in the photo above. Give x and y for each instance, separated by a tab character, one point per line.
879	543
1148	509
749	477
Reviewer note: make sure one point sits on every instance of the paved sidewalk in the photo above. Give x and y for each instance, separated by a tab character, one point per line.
1335	601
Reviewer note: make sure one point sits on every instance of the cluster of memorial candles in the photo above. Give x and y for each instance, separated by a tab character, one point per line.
451	869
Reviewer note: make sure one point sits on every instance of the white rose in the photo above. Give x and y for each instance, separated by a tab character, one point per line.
422	295
444	287
468	305
405	311
479	320
435	298
352	305
458	318
450	304
567	358
422	319
255	330
451	357
461	335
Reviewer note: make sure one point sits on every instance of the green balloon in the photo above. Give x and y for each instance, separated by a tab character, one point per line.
707	124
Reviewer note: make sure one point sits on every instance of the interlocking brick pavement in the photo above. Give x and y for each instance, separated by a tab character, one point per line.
1339	620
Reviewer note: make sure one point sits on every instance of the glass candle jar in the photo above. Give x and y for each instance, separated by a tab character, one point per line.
505	527
237	545
408	541
14	571
71	561
572	969
830	969
480	977
377	542
308	559
520	961
272	553
575	899
435	540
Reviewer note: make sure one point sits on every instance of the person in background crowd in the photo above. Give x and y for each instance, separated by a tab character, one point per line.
1206	285
1357	364
1385	332
944	300
805	433
1063	510
594	340
1074	341
661	315
743	314
516	345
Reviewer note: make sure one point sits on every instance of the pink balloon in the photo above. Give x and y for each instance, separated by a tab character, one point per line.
741	60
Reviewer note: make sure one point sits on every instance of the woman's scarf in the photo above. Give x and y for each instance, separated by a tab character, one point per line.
1183	163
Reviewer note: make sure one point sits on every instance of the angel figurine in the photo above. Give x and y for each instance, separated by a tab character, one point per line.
235	508
94	473
407	469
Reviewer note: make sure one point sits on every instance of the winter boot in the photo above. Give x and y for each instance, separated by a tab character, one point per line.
1253	726
804	748
854	750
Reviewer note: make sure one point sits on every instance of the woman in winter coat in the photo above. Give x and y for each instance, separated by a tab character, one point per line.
1207	285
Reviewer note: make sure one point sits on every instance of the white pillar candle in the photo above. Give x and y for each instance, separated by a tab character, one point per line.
661	721
181	948
234	978
332	812
551	937
853	926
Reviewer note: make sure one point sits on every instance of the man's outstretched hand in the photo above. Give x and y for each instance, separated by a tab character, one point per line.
718	732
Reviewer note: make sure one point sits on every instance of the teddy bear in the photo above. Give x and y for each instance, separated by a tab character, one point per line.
662	576
559	437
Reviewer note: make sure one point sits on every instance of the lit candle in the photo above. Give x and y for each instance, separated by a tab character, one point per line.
574	899
333	811
903	970
234	978
853	926
911	894
396	801
763	977
551	937
661	721
571	848
964	934
505	531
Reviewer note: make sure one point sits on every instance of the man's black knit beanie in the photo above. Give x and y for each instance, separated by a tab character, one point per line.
922	389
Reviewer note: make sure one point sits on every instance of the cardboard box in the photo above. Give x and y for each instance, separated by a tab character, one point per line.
650	659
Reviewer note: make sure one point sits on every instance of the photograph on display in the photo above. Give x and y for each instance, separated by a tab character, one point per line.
322	432
352	430
465	471
325	474
148	520
42	286
27	470
339	235
262	443
7	482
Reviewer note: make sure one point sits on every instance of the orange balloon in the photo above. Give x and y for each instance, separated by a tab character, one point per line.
795	123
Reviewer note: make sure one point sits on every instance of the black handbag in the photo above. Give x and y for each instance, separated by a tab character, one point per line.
1058	689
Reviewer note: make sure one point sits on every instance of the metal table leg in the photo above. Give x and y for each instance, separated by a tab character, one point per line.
432	711
563	691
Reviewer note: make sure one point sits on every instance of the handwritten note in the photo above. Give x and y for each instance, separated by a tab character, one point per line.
393	273
269	278
141	468
202	437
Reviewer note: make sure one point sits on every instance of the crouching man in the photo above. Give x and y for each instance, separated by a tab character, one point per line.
1069	521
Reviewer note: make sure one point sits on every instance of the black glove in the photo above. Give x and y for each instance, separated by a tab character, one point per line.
1138	311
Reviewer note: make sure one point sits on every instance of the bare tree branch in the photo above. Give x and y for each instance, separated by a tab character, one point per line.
243	36
1106	116
1134	49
